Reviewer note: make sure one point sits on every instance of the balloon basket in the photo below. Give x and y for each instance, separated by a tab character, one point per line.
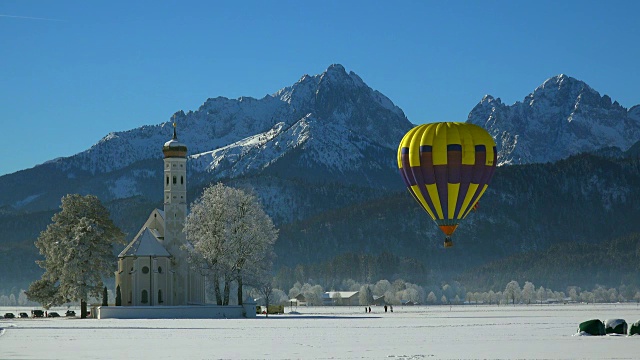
448	242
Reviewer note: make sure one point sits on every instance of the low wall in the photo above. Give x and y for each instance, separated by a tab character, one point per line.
178	312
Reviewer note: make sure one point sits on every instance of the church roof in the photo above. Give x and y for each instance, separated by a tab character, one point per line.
145	244
174	148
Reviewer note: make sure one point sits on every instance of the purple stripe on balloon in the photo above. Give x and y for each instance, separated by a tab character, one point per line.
465	181
454	164
426	167
478	166
441	185
406	170
417	174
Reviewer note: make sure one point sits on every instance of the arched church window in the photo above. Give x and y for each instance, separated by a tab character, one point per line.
181	180
130	296
167	180
159	269
145	270
175	180
145	297
159	296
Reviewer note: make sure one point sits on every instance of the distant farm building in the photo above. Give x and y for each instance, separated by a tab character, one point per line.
341	298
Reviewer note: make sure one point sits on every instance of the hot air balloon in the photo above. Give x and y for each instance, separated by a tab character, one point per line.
447	167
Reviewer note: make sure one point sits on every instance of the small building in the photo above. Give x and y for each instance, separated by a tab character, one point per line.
379	300
341	298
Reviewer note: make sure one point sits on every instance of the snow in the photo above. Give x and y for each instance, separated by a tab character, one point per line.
561	117
535	331
27	200
124	187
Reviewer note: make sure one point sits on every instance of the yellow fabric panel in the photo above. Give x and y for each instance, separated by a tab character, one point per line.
453	133
416	191
406	140
468	147
482	137
452	193
435	198
465	204
414	146
440	145
429	134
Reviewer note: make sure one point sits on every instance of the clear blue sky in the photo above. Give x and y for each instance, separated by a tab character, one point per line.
73	71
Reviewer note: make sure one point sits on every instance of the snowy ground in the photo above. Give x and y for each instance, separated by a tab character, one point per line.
485	332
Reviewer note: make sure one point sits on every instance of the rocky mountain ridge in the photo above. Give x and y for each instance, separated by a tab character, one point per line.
329	123
321	156
562	117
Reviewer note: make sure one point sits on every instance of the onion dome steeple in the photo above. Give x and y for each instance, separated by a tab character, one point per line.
174	148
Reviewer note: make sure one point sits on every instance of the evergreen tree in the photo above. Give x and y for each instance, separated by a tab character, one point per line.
105	297
78	251
118	296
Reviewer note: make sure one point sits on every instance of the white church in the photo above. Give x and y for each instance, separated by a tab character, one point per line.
153	269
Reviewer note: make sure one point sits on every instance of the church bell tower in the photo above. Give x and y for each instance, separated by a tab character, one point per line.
175	190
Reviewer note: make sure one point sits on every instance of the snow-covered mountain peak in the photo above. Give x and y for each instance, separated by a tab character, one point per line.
326	123
561	117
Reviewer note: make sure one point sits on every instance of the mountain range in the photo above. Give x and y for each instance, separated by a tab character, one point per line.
561	117
320	154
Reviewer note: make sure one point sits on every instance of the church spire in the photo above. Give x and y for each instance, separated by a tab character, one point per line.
175	136
174	148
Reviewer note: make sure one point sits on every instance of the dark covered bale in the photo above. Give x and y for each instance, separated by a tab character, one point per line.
592	327
635	328
615	326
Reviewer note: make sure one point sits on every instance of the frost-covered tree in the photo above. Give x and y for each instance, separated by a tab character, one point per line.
295	290
431	298
512	291
491	296
636	297
443	299
232	238
573	294
541	294
382	287
447	291
528	292
22	298
410	294
391	298
365	296
78	253
312	294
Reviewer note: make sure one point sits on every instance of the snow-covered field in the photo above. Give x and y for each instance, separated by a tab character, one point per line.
485	332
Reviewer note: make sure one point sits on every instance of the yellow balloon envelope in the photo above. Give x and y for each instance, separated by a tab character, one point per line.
447	167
